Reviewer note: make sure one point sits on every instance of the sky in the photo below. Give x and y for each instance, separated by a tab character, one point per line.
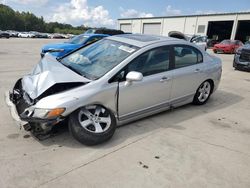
104	13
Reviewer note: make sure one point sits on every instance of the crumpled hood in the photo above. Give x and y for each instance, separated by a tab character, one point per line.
47	73
60	46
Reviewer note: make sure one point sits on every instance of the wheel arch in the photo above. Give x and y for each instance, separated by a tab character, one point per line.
212	83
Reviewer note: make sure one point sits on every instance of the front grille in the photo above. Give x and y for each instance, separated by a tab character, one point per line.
245	55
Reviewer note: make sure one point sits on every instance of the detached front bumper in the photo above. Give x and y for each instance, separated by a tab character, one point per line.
14	112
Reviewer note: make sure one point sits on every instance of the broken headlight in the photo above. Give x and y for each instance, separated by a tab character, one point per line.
44	113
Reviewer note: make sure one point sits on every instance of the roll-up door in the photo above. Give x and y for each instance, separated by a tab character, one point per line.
127	28
152	28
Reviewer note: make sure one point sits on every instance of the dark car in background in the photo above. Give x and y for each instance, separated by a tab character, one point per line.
104	31
39	35
12	33
60	49
4	34
211	43
242	58
227	46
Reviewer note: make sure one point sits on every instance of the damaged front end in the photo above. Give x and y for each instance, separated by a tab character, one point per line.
48	78
39	121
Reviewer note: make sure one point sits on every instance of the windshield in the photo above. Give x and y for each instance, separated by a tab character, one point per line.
227	42
97	59
80	39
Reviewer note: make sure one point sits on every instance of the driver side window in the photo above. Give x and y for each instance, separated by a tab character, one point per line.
151	62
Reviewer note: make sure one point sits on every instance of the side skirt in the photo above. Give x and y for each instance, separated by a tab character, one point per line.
154	110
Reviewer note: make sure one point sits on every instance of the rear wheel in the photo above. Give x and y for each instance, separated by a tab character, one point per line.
92	124
203	93
235	66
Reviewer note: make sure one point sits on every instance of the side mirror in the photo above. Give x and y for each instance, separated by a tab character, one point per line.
132	77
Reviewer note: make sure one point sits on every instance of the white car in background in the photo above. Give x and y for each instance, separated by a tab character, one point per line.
26	35
200	41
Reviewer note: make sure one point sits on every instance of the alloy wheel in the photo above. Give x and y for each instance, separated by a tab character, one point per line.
94	118
204	91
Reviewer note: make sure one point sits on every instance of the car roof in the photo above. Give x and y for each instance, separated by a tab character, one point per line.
141	40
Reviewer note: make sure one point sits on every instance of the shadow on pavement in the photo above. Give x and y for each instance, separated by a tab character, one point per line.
166	120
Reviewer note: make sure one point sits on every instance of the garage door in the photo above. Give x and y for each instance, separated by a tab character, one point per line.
152	28
220	30
243	31
127	28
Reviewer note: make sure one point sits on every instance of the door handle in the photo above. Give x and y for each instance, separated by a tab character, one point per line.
197	70
165	79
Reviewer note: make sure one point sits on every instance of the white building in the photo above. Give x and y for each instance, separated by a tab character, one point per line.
215	26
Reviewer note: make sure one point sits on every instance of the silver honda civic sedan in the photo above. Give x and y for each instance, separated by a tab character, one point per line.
112	82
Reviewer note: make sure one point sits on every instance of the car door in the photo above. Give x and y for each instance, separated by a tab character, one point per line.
188	72
154	90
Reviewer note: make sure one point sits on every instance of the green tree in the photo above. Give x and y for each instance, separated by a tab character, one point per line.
27	21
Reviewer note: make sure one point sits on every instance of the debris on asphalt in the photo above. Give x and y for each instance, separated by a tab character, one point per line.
145	166
26	136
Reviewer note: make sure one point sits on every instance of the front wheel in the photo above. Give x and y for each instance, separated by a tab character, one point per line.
203	93
91	125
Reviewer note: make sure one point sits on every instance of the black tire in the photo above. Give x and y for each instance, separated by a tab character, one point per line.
86	137
215	51
236	67
197	99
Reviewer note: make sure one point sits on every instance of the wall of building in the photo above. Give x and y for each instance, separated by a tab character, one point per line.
186	24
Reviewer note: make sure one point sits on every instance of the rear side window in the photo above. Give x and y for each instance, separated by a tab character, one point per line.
186	56
151	62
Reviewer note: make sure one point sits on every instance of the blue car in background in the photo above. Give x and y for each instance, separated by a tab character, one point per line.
60	49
